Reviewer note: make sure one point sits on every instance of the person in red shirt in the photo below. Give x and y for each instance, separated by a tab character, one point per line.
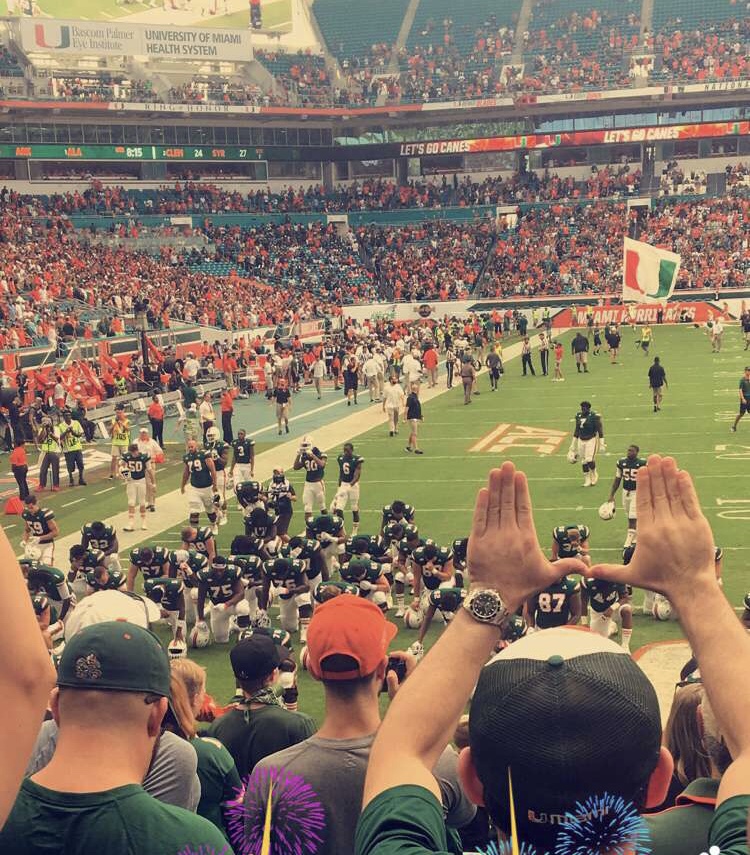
155	414
20	468
227	410
430	362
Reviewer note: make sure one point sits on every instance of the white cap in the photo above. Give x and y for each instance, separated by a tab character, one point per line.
111	605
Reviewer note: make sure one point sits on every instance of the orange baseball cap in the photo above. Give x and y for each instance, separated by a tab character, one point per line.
348	626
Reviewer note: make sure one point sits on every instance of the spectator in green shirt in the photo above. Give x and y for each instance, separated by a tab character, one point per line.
111	696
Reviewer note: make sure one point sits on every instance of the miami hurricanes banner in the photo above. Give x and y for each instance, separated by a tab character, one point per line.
649	274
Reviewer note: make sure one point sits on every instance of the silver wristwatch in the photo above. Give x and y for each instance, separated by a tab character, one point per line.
486	606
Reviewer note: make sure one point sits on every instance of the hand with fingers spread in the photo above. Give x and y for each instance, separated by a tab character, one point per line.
503	551
675	546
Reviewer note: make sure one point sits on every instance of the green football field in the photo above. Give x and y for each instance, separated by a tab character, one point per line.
277	14
529	421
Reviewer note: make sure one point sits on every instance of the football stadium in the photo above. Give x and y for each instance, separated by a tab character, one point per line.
374	462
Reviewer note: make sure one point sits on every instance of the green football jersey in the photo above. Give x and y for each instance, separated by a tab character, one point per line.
603	595
566	547
195	562
242	449
359	569
321	594
200	542
38	521
134	466
154	566
553	603
285	572
165	591
325	523
390	516
97	538
91	559
447	599
115	580
586	424
196	462
50	580
348	466
627	469
220	584
219	452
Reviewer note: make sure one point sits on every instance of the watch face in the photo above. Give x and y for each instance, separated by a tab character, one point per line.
485	605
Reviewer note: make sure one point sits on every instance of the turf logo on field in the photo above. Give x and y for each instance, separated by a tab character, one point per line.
513	437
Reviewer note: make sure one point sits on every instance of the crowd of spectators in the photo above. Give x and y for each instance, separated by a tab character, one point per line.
104	87
431	260
189	197
738	178
674	181
714	50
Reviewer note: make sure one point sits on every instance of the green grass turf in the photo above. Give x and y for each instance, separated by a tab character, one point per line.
277	15
275	12
698	407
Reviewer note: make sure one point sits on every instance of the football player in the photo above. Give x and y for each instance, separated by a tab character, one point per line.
201	473
40	531
286	579
260	527
557	605
397	512
350	472
133	467
746	611
588	438
368	546
169	594
222	585
433	567
281	498
251	571
99	535
460	548
249	496
313	461
77	575
308	550
608	600
571	541
219	451
185	564
152	561
368	576
328	590
626	473
243	457
329	531
401	567
200	539
103	579
52	628
446	600
45	579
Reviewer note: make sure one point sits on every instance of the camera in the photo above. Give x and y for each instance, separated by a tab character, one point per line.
397	665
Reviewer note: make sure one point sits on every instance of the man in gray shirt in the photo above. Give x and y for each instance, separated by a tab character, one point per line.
347	645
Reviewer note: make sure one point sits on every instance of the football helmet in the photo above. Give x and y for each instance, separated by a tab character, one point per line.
200	635
607	511
306	444
262	619
413	618
31	549
662	608
212	434
177	649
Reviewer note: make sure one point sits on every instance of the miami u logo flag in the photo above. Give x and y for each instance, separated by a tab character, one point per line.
55	36
649	274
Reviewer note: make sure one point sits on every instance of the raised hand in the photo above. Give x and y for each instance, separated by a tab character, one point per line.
504	552
675	545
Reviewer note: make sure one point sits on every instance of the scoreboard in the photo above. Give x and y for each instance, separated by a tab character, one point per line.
182	153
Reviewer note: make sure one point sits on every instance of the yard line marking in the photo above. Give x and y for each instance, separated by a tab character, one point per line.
104	491
9	527
74	502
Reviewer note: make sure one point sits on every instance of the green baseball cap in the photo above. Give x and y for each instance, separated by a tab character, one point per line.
115	656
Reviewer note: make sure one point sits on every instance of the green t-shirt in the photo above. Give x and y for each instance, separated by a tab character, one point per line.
125	820
684	827
269	729
219	779
729	827
405	819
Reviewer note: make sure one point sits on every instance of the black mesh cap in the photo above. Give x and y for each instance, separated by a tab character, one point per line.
573	716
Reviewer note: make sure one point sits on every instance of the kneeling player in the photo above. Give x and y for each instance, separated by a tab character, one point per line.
433	569
44	579
571	541
152	561
329	531
169	594
397	512
460	548
445	600
101	578
200	539
99	535
369	578
286	579
308	551
609	601
557	605
185	565
402	565
222	585
251	570
281	496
